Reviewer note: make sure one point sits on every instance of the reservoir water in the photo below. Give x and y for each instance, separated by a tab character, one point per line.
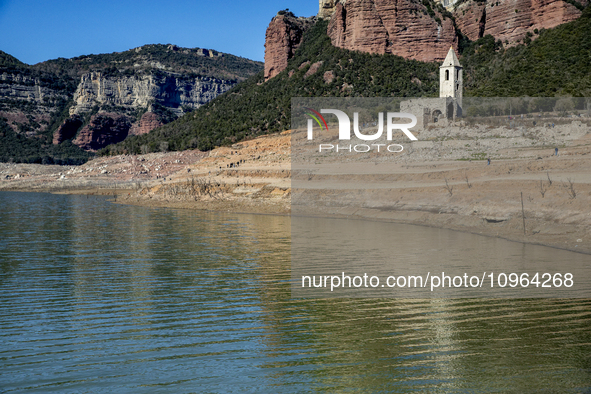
102	298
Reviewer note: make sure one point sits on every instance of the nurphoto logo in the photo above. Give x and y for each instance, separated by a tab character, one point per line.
345	130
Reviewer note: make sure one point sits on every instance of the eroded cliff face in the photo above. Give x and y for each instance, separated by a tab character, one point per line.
283	37
158	82
102	130
27	103
17	86
510	20
176	92
119	97
399	27
414	30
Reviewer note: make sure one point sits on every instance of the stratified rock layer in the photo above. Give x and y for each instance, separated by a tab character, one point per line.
174	91
17	86
283	37
400	27
165	79
510	20
27	103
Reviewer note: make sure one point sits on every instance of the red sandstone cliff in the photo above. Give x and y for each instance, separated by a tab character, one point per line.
148	122
283	37
102	130
67	129
510	20
405	28
114	127
399	27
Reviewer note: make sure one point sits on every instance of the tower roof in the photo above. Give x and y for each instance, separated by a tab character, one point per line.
451	59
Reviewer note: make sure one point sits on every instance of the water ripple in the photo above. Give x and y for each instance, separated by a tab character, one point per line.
96	297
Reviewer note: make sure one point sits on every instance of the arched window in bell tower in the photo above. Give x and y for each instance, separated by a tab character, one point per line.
447	75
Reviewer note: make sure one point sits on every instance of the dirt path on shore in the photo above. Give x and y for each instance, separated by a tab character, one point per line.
435	183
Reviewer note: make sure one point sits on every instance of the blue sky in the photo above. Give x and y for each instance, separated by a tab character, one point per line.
38	30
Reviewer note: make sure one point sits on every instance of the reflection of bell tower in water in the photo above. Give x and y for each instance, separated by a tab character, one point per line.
451	78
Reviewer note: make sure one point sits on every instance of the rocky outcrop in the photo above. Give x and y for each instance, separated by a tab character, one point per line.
19	87
416	31
67	129
28	102
125	94
510	20
162	82
327	8
313	69
174	91
148	122
102	130
399	27
283	37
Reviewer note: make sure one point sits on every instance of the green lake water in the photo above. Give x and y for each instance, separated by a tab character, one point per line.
101	298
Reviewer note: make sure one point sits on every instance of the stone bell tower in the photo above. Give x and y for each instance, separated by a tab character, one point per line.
451	80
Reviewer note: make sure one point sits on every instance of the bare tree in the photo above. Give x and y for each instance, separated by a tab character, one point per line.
450	189
549	180
543	189
570	188
468	182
